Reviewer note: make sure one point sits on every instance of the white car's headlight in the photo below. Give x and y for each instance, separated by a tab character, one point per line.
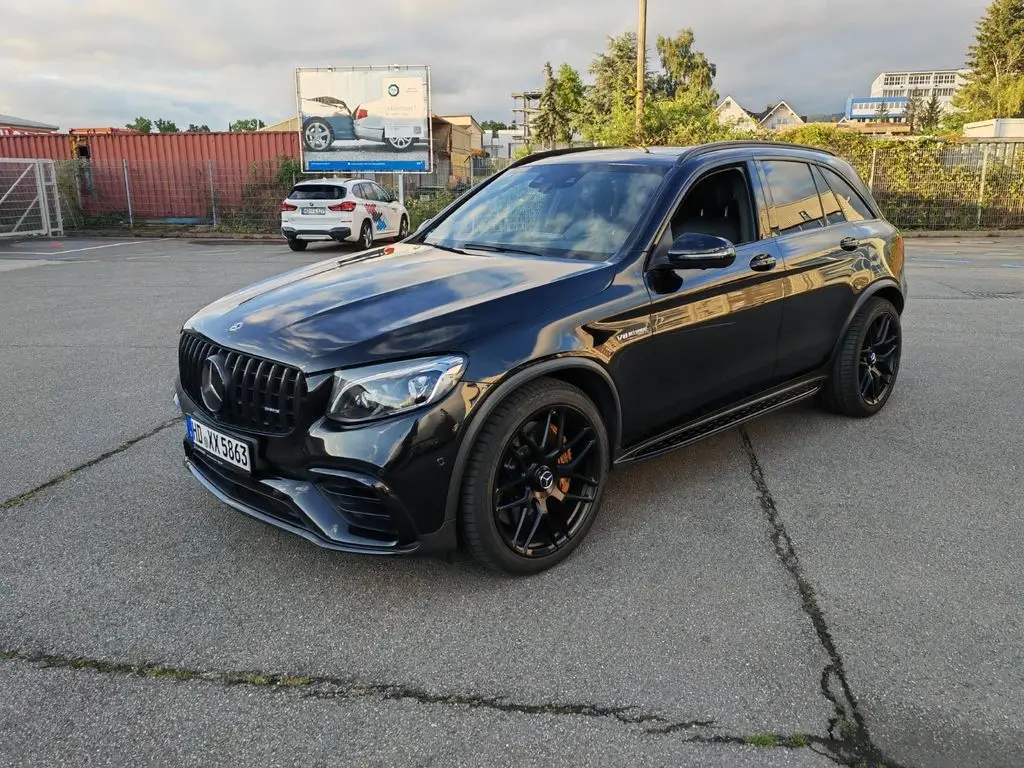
379	391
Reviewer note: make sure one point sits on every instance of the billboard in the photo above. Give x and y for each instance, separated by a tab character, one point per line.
364	119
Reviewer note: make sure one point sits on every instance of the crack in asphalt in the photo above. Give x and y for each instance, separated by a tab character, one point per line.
326	687
855	747
27	496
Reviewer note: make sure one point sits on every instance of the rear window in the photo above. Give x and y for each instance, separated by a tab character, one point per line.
317	192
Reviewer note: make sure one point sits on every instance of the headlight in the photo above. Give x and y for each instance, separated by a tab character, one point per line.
378	391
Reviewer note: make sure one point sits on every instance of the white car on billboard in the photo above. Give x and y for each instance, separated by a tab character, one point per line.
343	210
398	119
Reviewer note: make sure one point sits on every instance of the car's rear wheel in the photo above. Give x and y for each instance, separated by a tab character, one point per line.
403	228
401	144
297	245
535	478
864	372
366	236
317	135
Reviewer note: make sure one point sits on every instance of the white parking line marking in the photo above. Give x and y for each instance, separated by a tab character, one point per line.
74	250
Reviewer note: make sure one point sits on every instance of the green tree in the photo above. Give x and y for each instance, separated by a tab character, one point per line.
165	126
493	126
995	86
683	68
614	73
915	110
193	128
141	124
549	120
931	115
882	112
246	126
571	95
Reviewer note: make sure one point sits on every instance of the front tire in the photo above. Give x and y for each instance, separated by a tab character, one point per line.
317	135
535	478
403	228
297	245
864	372
366	236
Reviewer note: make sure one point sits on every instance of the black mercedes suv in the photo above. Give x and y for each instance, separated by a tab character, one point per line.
476	383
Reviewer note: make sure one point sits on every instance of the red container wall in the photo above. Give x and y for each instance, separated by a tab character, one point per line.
43	146
173	175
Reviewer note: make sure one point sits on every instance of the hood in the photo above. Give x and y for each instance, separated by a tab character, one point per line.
393	302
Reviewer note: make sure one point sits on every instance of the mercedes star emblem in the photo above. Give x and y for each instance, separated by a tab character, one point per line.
215	383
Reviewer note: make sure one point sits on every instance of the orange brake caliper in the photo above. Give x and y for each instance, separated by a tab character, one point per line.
565	458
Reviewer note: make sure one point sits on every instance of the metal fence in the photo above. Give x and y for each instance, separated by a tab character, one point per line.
245	199
975	185
28	198
978	185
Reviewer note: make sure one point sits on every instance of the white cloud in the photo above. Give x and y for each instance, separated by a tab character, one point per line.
102	62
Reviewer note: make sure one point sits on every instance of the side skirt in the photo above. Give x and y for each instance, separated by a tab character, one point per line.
724	419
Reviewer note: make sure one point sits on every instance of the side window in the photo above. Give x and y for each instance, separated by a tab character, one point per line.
381	193
833	211
363	191
797	205
853	206
718	204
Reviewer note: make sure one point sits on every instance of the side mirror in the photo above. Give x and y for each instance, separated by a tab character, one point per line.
694	250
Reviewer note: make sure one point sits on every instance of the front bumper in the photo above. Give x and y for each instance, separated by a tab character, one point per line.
381	489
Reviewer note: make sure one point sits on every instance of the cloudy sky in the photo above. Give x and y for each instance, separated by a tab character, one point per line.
79	63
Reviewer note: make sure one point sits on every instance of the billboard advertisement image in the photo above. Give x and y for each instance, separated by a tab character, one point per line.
364	119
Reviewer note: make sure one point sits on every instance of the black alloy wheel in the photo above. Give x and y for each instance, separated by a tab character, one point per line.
868	361
536	477
879	360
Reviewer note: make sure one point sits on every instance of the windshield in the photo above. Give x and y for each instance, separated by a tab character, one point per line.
569	210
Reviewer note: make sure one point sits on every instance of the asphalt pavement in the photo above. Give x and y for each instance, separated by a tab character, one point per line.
805	591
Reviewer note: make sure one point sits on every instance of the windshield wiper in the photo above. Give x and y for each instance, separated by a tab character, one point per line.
499	249
443	247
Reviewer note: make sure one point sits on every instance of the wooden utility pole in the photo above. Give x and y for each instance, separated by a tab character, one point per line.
641	67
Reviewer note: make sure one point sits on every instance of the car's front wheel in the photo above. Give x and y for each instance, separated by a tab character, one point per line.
864	372
317	135
535	478
403	228
366	236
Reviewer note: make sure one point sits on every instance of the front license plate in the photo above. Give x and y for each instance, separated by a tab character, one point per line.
314	211
220	445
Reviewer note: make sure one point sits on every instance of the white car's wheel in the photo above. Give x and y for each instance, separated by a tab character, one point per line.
366	236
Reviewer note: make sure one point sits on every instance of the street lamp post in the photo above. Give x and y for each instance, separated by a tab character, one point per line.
641	66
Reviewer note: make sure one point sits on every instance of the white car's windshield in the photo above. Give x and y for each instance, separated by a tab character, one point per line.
570	210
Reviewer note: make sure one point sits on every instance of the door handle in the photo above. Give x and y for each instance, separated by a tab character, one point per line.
763	262
849	243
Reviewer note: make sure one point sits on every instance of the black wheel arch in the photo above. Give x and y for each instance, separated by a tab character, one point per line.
582	372
887	289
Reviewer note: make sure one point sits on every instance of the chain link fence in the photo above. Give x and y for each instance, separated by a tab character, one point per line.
919	185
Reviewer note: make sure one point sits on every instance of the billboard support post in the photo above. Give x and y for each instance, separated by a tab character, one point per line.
401	188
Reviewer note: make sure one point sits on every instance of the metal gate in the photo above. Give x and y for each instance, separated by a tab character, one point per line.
29	201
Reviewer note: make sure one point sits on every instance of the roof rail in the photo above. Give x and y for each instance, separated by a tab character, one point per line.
747	144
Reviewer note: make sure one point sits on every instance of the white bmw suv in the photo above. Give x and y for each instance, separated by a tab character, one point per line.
346	210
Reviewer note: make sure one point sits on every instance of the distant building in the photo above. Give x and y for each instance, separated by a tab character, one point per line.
472	127
1002	128
17	126
893	90
773	118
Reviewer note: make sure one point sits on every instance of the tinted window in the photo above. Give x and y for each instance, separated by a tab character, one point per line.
797	205
317	192
380	193
719	205
853	206
564	209
833	211
363	191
